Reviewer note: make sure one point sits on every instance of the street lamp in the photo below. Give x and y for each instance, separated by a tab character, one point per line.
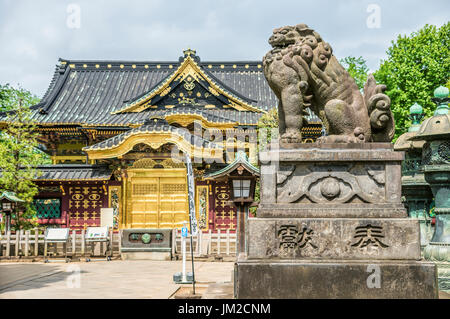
243	191
242	188
241	177
8	204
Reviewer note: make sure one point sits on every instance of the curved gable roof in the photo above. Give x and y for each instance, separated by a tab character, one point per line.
89	92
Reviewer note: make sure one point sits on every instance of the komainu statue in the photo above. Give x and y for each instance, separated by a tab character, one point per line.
303	72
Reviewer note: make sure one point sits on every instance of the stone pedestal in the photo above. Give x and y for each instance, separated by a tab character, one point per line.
439	178
331	225
335	279
418	199
146	244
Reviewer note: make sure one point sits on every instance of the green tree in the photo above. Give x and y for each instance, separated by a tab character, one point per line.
415	66
10	96
266	123
357	68
9	99
18	161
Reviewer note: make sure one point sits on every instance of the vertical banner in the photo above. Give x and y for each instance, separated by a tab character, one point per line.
191	195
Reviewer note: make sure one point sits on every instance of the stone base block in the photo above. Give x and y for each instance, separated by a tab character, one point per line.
335	279
146	255
333	238
293	210
313	179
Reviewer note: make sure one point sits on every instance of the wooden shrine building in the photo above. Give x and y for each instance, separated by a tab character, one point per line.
116	132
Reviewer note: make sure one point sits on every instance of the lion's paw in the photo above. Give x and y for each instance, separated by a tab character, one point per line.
291	137
331	139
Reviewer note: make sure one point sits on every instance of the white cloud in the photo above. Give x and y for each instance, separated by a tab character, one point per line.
34	33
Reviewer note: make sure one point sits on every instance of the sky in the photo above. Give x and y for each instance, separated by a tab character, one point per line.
34	34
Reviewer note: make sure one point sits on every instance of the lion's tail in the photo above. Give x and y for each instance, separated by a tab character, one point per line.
379	109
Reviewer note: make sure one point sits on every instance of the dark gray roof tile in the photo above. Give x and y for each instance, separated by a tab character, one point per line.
73	172
88	95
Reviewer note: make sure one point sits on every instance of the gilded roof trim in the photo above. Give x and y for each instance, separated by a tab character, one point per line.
154	136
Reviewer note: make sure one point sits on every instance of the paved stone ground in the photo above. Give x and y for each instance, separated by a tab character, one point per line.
114	279
102	279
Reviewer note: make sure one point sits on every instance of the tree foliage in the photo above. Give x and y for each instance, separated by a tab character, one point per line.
267	128
415	66
10	96
18	161
357	68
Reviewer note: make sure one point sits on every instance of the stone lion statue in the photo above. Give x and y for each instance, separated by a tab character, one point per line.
303	72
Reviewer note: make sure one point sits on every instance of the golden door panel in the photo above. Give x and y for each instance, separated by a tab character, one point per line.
144	202
158	198
173	201
166	220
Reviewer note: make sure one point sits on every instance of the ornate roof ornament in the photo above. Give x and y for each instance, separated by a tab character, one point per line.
403	142
441	99
437	126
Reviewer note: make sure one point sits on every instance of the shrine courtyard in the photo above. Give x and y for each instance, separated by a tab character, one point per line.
103	279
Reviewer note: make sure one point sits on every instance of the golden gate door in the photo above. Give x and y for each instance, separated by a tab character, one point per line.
173	201
144	202
157	198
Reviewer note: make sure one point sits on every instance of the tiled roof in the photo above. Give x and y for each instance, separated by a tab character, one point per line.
11	196
73	172
88	92
240	159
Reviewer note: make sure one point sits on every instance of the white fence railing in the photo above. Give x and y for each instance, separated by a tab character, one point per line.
220	243
31	243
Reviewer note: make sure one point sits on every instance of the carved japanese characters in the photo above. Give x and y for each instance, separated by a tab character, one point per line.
291	238
303	73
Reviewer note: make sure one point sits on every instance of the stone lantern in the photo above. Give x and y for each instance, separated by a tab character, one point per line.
435	131
415	189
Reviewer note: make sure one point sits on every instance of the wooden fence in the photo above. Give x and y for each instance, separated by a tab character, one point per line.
31	243
220	243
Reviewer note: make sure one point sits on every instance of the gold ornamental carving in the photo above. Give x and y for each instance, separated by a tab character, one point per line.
150	163
169	163
188	69
144	163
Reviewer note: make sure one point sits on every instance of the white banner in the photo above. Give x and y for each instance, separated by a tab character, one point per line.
191	195
97	233
106	217
57	234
